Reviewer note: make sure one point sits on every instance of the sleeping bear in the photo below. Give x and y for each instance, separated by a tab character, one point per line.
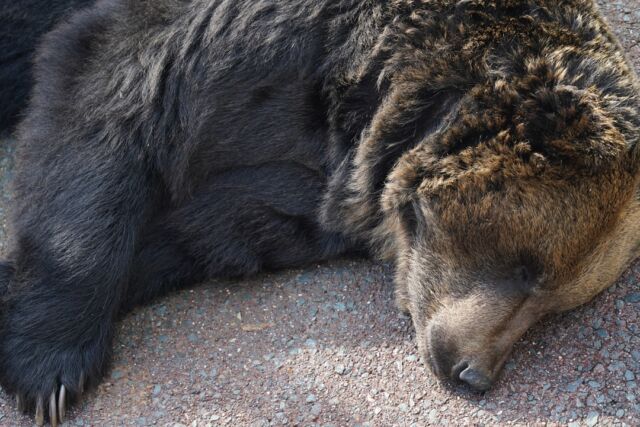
488	149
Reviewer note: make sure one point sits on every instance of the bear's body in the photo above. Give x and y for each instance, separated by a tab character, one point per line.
22	25
169	142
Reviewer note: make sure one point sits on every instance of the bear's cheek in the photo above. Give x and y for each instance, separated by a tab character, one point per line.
602	266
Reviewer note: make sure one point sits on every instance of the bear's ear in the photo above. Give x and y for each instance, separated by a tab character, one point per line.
402	183
568	124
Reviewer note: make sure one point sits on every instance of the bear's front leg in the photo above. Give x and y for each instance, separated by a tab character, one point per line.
50	350
75	225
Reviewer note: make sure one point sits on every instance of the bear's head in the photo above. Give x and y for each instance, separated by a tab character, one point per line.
525	202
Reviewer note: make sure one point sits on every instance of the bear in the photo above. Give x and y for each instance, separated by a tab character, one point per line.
487	148
22	25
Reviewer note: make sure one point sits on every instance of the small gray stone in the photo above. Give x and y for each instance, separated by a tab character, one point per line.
433	416
633	297
311	398
340	369
316	409
592	419
572	387
594	385
629	376
620	413
305	278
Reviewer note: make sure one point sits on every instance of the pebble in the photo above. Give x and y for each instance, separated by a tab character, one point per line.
340	369
592	419
305	278
433	416
629	376
339	306
311	398
316	409
594	385
573	386
633	297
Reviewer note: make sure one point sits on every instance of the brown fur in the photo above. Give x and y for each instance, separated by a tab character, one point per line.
524	201
488	148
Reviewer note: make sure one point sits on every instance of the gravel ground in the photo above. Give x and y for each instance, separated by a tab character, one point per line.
325	346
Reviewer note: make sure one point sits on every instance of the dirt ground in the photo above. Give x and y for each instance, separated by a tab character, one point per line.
325	346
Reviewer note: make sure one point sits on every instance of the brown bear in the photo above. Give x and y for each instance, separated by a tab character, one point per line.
489	148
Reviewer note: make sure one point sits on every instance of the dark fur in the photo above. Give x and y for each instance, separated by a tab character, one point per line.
22	25
167	144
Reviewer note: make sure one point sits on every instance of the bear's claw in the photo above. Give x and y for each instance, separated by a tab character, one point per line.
62	403
20	405
57	406
53	417
39	410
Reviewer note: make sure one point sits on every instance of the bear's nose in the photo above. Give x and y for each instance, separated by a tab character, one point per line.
475	379
447	361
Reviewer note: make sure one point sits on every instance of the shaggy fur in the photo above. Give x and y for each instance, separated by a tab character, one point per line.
488	148
22	25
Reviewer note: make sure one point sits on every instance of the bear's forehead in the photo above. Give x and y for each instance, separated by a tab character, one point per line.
554	222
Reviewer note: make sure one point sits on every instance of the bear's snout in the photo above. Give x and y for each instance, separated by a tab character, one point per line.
449	361
469	339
